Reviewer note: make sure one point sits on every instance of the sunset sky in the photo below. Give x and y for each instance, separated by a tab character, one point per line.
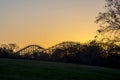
48	22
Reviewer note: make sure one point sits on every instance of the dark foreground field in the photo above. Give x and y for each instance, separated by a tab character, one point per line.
11	69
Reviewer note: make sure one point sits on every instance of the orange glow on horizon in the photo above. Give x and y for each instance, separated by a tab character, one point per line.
47	23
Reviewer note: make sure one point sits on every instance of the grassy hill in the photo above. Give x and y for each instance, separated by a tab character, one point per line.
11	69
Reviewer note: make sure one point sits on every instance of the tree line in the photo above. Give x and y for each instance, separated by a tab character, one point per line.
103	51
91	53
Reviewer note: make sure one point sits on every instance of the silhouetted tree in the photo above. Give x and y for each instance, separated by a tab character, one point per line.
91	53
110	20
113	58
13	46
59	55
7	50
41	56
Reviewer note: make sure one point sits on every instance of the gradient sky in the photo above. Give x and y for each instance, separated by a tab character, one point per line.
48	22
